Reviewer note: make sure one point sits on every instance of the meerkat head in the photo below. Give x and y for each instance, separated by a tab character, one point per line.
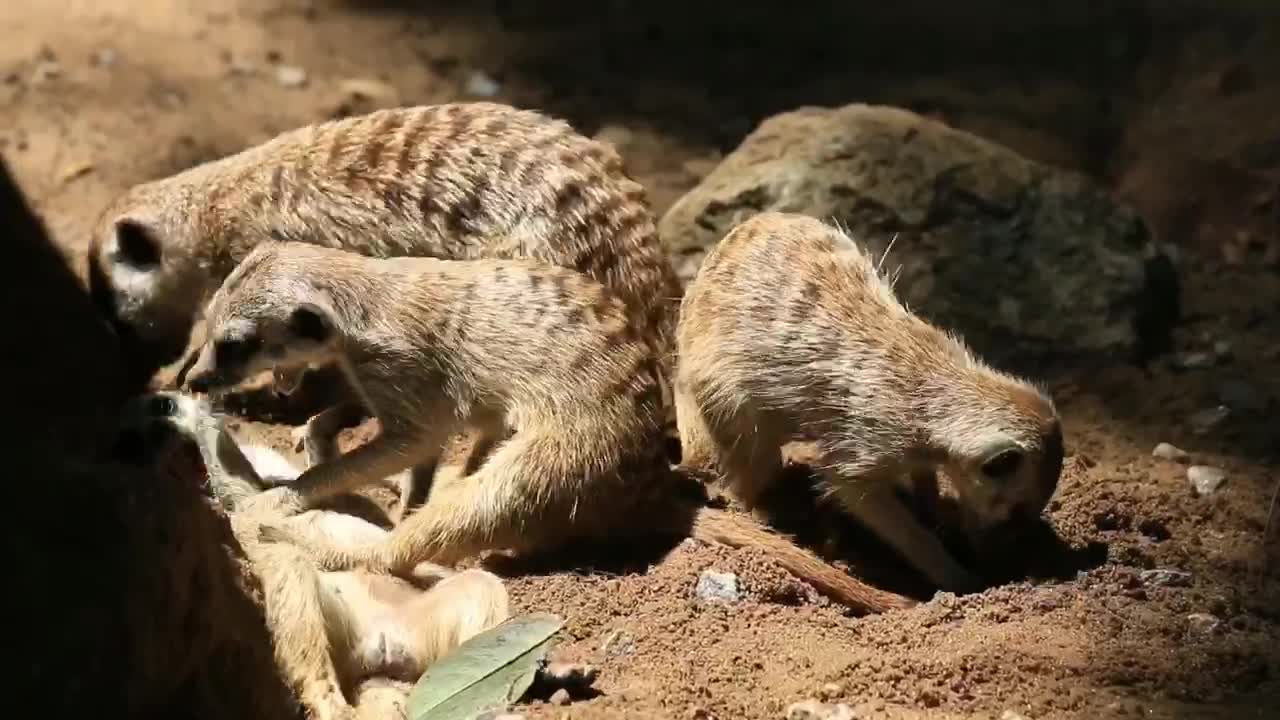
1004	448
144	280
265	316
162	430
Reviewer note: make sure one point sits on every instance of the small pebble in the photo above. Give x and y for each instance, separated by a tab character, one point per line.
243	68
1202	624
831	691
1166	577
1209	418
369	89
1165	451
560	697
814	710
46	71
618	643
103	58
1195	360
1222	349
717	586
481	85
1206	480
291	76
1013	715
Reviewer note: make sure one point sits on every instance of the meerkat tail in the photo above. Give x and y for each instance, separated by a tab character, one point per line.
722	527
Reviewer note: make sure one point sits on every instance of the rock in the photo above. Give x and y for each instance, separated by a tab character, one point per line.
291	76
481	85
1013	715
989	243
1202	624
831	691
1165	451
560	697
1209	418
814	710
1222	349
1206	480
717	587
1166	577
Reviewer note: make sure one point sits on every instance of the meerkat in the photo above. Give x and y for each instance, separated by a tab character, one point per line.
789	332
544	359
337	634
454	181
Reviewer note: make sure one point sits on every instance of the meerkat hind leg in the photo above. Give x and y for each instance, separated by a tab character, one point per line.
874	504
296	616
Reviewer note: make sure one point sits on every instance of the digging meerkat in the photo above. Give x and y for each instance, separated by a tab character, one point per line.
337	634
454	181
789	332
544	359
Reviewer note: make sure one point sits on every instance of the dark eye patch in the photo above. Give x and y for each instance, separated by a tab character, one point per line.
1003	464
162	406
230	353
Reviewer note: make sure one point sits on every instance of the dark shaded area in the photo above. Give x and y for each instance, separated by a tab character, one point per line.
127	603
711	71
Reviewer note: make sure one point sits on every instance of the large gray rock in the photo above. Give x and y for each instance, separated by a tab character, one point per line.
1018	257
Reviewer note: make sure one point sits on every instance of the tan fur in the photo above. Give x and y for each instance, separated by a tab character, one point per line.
457	181
542	361
790	333
337	634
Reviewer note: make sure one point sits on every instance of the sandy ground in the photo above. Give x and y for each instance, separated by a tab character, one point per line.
95	96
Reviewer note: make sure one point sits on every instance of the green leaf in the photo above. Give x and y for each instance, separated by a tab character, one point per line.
490	671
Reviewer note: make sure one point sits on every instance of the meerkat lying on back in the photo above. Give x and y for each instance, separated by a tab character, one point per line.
789	332
337	634
543	358
455	181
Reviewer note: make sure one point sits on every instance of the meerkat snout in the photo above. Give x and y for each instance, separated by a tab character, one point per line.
239	347
1010	484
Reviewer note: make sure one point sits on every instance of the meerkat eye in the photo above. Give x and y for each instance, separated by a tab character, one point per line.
1002	464
162	406
136	246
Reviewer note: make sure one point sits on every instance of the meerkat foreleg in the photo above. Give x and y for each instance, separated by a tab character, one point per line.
320	434
748	450
697	446
871	500
502	505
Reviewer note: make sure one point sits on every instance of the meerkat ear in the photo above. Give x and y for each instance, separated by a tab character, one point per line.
137	244
311	322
